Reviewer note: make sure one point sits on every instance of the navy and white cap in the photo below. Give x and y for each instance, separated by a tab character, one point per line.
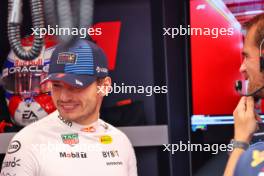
251	162
78	64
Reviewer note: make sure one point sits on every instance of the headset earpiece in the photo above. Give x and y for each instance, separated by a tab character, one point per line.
261	60
261	56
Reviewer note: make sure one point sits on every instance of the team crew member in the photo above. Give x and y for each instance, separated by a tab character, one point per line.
244	115
73	140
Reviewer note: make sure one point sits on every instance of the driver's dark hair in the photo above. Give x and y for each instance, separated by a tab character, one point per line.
257	21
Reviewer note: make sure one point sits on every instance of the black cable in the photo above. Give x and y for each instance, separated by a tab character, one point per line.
68	15
14	22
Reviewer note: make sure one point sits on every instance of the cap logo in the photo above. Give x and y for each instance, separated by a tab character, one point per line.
101	69
67	58
78	82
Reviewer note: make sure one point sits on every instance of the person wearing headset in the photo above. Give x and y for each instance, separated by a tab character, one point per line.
252	67
73	140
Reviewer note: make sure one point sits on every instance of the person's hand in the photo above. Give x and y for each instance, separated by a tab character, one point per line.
245	119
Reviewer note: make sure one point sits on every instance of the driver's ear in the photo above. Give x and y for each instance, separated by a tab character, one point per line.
108	85
105	86
107	81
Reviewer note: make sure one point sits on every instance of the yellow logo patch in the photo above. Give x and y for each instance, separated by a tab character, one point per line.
106	139
258	157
